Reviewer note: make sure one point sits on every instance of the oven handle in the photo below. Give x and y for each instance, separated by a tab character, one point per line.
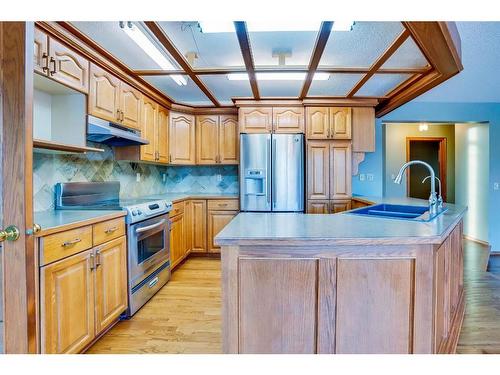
149	227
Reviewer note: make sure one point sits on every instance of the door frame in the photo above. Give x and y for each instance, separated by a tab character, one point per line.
442	160
16	167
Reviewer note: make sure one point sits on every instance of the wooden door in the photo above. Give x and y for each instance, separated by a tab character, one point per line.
41	52
182	139
338	206
288	120
229	140
340	170
317	122
104	94
277	306
217	220
177	239
67	304
162	135
318	170
68	67
130	106
318	206
18	296
207	139
148	123
255	120
110	282
340	122
198	226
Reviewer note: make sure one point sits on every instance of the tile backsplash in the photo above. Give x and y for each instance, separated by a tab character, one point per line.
49	169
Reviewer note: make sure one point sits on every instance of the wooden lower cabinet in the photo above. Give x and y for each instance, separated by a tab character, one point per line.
328	206
217	220
67	304
177	240
110	282
198	226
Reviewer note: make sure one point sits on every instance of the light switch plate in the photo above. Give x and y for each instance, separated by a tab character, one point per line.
369	176
164	177
219	177
496	186
138	177
362	177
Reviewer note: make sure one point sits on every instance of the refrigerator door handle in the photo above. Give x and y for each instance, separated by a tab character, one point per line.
273	166
269	172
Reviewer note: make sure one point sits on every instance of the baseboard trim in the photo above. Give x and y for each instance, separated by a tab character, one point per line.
481	242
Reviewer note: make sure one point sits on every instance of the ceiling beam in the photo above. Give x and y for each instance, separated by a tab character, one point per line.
179	58
246	52
337	70
380	61
319	47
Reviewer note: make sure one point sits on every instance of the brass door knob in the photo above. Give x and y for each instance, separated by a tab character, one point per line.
11	233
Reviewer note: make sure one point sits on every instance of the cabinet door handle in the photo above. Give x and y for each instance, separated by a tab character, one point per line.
122	116
170	158
97	258
72	242
111	230
118	114
53	62
328	136
92	262
45	67
222	204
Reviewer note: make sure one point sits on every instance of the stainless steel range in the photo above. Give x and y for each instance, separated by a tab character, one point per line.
148	226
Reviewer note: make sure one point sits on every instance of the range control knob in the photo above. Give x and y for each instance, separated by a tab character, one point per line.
139	212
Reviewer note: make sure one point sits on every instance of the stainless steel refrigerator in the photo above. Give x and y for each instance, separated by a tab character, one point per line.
272	172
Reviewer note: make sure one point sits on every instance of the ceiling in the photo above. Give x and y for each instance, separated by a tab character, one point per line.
480	80
356	62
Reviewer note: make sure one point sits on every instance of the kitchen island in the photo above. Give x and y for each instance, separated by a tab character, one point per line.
343	283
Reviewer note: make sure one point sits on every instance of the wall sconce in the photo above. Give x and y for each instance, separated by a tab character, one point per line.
423	127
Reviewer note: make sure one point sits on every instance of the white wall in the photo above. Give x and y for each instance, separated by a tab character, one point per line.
472	177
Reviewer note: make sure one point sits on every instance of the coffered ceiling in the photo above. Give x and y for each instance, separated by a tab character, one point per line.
204	68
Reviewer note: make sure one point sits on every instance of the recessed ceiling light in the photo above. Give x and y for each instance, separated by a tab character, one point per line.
342	25
278	76
151	50
258	26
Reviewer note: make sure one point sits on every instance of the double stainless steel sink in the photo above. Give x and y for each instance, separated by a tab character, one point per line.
395	211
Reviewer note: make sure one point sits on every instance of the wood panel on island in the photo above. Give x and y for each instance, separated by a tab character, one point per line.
83	284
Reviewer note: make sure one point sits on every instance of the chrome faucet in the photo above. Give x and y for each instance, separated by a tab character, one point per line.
433	201
440	196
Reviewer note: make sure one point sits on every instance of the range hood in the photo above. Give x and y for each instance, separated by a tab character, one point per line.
102	131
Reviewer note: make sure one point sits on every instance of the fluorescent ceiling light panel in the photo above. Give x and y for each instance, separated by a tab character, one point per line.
151	50
270	76
342	25
259	26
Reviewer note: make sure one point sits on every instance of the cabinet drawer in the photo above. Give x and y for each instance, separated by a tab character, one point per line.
108	230
223	204
177	209
64	244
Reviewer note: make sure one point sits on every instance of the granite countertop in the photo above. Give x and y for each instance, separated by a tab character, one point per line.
177	197
53	221
342	228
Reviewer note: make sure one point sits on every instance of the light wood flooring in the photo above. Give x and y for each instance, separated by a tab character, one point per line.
184	317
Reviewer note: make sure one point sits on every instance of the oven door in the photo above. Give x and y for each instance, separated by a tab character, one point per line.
148	247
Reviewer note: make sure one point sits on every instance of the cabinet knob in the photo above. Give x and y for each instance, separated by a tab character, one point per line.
36	229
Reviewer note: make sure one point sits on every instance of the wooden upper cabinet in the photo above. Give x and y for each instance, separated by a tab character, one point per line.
207	135
110	282
148	120
130	106
182	139
104	96
363	129
68	67
67	304
340	122
318	122
288	120
255	120
41	52
340	170
162	135
318	170
228	140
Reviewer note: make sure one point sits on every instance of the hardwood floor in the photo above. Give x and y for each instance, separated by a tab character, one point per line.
184	317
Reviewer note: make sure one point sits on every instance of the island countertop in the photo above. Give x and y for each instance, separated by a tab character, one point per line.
341	229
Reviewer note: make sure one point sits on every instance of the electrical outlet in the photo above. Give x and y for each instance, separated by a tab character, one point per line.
369	176
164	177
393	177
496	186
362	177
219	177
138	177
